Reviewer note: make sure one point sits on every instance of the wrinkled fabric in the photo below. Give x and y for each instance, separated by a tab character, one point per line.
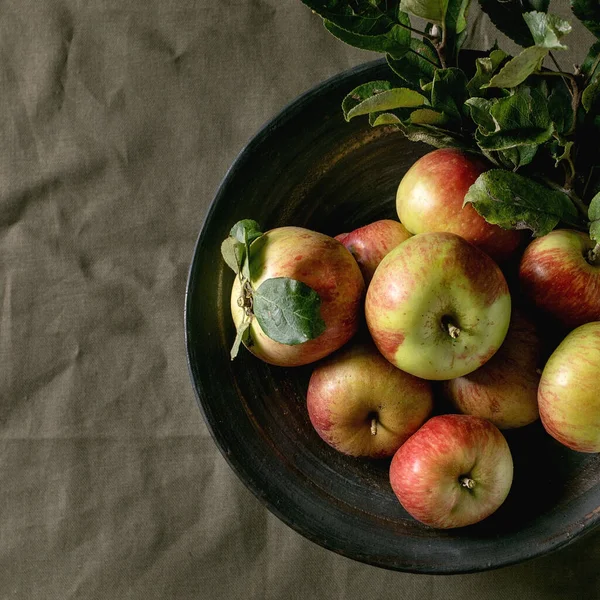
118	118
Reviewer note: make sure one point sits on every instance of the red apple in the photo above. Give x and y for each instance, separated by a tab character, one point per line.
430	198
323	264
568	395
369	244
454	471
560	276
340	237
504	390
438	307
361	405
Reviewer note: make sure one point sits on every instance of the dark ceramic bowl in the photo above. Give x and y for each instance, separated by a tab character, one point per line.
308	167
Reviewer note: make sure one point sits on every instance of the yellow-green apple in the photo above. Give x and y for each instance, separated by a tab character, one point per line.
430	198
437	306
361	405
504	390
323	264
568	395
560	275
369	244
454	471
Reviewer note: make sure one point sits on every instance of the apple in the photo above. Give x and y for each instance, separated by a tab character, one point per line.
323	264
430	198
340	237
362	405
437	306
504	390
560	275
454	471
369	244
568	395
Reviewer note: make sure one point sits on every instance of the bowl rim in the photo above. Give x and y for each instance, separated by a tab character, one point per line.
574	531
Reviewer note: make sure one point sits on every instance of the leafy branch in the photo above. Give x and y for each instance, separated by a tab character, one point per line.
516	112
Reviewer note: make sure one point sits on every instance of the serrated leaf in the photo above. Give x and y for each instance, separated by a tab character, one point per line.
427	116
512	201
416	66
589	67
547	30
588	12
480	111
386	119
240	336
485	69
387	100
431	10
594	217
517	157
521	119
396	41
288	311
246	230
590	94
506	16
233	253
519	68
362	93
449	92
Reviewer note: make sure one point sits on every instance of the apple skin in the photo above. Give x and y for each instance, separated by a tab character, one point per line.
424	283
568	395
504	390
369	244
430	198
430	472
556	277
356	385
323	264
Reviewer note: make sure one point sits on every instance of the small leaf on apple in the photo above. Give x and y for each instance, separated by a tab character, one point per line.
244	232
515	202
288	310
240	336
594	217
233	253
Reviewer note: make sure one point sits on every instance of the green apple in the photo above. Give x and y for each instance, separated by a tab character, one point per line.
437	306
568	396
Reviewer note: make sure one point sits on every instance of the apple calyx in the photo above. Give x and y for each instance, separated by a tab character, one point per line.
374	426
593	256
467	482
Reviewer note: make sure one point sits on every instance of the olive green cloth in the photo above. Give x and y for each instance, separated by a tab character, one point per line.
118	119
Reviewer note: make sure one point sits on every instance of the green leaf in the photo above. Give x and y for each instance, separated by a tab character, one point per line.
515	202
480	111
519	156
519	68
560	105
240	336
419	64
288	311
547	29
594	217
434	136
245	231
233	253
561	150
395	41
455	22
521	120
485	69
427	116
591	94
431	10
505	15
449	92
385	119
590	65
362	93
588	12
387	100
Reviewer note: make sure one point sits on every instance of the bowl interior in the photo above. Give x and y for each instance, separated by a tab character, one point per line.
308	167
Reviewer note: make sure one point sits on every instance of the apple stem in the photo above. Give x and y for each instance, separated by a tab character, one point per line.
373	426
594	254
467	482
453	331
